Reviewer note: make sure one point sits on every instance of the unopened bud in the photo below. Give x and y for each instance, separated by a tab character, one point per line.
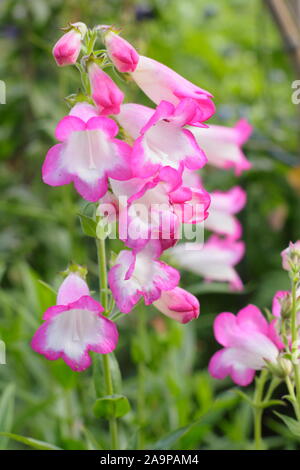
103	229
67	48
291	257
286	366
286	306
122	54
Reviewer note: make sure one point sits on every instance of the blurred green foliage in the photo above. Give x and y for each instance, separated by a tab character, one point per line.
231	48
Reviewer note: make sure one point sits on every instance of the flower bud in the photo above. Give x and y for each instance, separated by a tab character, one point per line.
106	94
286	306
285	366
179	305
281	369
291	257
67	48
122	54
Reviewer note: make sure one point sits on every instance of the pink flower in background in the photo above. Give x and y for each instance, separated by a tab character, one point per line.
134	276
160	137
106	95
122	54
88	153
222	145
224	204
67	48
281	309
74	327
282	296
247	343
291	255
215	260
161	83
179	305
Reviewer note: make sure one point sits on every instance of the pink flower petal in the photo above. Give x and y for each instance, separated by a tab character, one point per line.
250	318
67	125
221	365
53	172
72	288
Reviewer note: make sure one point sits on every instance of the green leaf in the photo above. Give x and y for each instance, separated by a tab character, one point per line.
7	411
202	425
46	294
98	375
292	424
111	406
168	441
92	442
265	404
88	225
244	396
48	288
115	373
29	441
269	403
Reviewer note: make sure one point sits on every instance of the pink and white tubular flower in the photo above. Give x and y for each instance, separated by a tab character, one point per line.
222	145
122	54
160	139
88	153
153	209
215	260
224	204
179	305
146	213
247	343
160	83
74	327
67	48
106	95
291	256
140	275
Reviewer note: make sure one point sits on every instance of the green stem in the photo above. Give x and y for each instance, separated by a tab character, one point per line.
257	428
295	352
103	287
293	396
294	312
141	384
273	385
141	404
113	425
258	410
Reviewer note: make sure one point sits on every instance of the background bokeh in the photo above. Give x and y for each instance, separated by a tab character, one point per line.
233	49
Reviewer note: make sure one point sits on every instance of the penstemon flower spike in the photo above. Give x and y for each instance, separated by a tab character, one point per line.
147	184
